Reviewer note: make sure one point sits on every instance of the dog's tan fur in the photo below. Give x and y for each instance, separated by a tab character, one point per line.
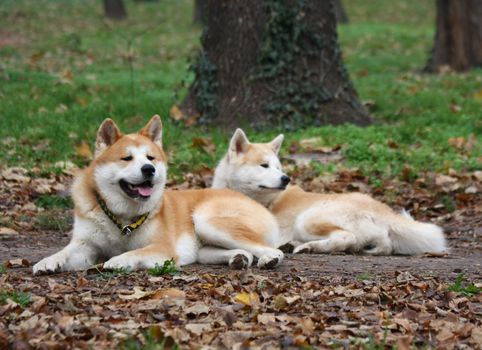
316	222
209	226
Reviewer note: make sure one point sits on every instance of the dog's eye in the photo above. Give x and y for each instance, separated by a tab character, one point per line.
150	157
128	158
265	165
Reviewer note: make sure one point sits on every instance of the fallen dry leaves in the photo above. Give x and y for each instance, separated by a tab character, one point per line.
178	115
18	192
237	309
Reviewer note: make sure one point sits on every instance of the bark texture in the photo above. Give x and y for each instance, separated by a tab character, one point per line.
114	9
272	62
199	11
458	39
341	16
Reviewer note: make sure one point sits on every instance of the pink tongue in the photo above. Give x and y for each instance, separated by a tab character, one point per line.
145	191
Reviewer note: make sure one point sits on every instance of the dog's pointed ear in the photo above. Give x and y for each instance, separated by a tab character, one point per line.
276	143
107	135
153	130
239	144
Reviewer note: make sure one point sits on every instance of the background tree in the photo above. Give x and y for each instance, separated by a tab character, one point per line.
114	9
458	39
272	61
199	11
340	13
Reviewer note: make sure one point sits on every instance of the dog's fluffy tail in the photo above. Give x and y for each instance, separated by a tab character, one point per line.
410	237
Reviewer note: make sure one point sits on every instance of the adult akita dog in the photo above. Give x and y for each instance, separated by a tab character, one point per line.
124	216
321	223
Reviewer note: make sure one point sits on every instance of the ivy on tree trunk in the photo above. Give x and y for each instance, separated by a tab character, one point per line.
275	62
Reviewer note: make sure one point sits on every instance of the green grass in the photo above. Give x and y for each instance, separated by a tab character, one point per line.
3	269
21	298
150	343
364	277
51	202
372	344
51	220
168	267
68	69
114	273
465	289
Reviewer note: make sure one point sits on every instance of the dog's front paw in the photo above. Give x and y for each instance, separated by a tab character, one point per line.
52	264
240	261
122	261
271	259
128	261
304	248
289	247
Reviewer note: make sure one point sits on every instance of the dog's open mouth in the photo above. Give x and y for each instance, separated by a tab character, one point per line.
142	190
279	188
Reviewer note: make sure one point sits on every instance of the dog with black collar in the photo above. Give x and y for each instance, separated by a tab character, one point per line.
125	218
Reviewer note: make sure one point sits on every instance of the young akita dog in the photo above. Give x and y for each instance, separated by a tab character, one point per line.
123	214
322	222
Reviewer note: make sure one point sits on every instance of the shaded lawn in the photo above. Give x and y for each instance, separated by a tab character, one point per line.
69	69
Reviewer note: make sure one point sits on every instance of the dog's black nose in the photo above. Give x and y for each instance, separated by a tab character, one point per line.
285	180
148	170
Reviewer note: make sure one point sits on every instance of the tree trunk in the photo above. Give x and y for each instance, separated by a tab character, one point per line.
199	11
274	62
458	40
114	9
340	13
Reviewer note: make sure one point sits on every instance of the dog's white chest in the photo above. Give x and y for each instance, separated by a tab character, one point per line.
107	237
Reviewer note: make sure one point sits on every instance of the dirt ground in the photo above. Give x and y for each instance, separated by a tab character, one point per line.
465	257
